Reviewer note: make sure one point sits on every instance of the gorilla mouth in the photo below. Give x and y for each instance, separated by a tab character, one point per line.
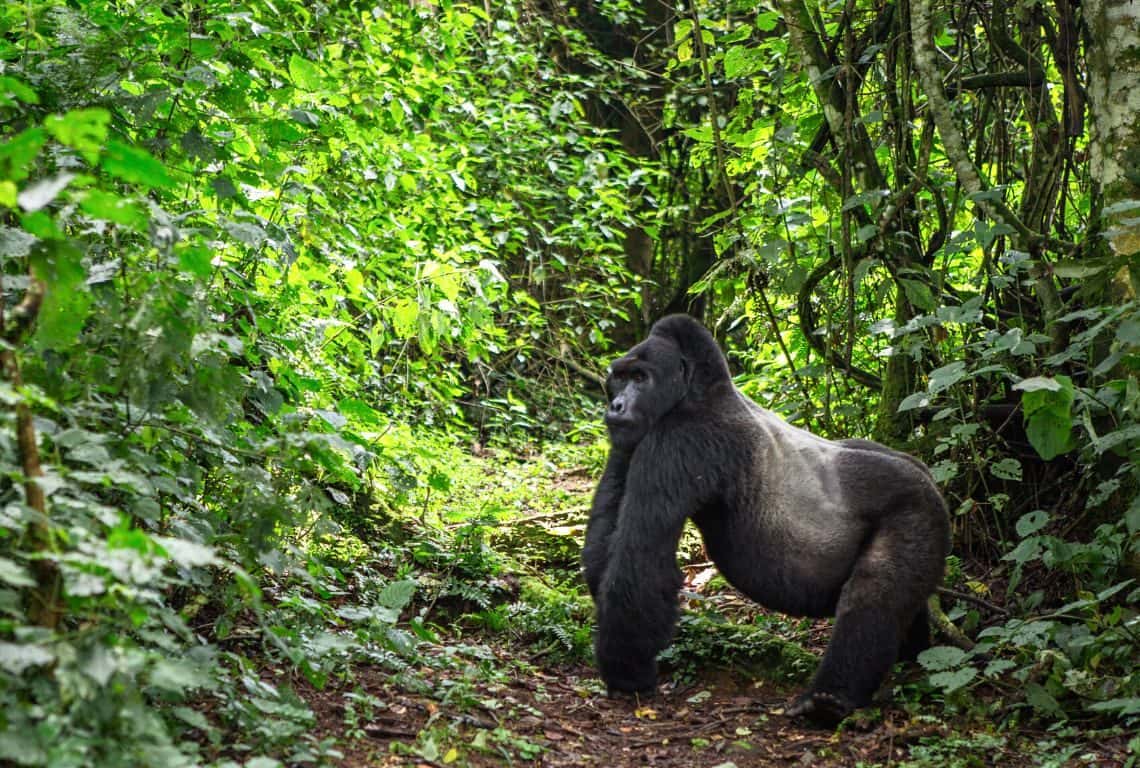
620	421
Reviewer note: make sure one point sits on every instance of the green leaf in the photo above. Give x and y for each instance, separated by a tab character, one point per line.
942	657
397	594
1027	549
997	666
108	206
360	411
15	243
946	376
192	717
186	553
67	301
1121	706
134	165
84	130
175	676
15	575
1132	517
305	74
245	232
197	260
305	117
916	400
100	664
40	224
1042	701
918	294
1035	383
1076	270
685	50
1058	400
404	315
263	762
1006	469
952	681
1031	522
1048	416
19	153
742	61
1129	332
767	21
17	657
12	89
1050	433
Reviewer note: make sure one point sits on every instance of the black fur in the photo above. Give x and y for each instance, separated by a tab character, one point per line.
803	525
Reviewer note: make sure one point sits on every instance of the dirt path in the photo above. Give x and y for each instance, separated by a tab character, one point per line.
558	718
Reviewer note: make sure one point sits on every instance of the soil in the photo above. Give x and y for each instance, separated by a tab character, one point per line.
561	715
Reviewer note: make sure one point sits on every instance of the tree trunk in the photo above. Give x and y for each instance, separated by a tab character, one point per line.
1113	43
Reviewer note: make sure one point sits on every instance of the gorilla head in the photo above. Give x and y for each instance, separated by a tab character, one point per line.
654	377
803	525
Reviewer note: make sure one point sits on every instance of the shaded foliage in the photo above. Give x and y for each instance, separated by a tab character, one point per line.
263	266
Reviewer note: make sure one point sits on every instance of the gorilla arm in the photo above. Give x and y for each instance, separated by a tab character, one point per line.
637	599
603	519
637	596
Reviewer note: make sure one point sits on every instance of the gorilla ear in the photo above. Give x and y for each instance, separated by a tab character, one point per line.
695	384
704	364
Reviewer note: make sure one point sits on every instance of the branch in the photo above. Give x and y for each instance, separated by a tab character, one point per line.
1024	79
967	597
830	93
953	142
44	608
877	34
808	326
563	356
943	624
24	314
999	33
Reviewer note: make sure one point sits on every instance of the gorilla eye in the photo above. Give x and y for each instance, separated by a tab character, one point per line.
638	376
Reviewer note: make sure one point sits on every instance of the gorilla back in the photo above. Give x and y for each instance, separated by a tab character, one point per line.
800	524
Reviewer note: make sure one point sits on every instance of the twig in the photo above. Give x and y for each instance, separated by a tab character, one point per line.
563	356
973	599
384	731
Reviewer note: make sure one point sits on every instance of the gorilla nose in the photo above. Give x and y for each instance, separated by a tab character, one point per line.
616	417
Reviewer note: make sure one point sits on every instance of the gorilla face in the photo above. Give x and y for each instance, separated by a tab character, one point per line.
642	387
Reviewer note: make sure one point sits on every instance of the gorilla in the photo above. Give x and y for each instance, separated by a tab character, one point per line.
800	524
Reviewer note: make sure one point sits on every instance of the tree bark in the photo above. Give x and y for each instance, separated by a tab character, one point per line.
1113	45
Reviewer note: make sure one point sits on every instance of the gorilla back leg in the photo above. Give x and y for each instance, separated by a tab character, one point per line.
876	613
917	638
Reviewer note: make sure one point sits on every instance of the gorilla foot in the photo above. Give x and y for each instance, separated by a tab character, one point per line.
628	695
821	708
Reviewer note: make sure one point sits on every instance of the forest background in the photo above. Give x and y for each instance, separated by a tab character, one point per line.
291	289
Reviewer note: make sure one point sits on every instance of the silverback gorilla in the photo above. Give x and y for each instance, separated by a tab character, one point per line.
800	524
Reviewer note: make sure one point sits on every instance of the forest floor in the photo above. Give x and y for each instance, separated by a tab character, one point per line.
557	717
489	698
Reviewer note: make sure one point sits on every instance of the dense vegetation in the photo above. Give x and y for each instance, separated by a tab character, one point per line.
278	276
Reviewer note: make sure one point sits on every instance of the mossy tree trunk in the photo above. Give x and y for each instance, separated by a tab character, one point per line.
1113	59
